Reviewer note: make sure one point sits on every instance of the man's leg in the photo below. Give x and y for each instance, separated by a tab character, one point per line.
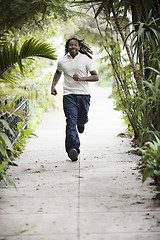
83	108
71	112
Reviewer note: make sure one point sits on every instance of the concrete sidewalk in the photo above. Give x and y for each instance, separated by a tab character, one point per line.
99	197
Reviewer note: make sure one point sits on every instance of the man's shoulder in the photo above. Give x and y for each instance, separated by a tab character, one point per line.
84	56
63	59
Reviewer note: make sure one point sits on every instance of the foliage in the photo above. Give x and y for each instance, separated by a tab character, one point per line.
105	74
130	34
5	143
15	14
21	21
150	107
3	174
131	73
151	156
82	27
5	149
20	143
9	55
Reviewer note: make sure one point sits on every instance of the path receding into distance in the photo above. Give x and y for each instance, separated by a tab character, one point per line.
99	197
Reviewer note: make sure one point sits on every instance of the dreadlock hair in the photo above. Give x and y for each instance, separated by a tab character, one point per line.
84	49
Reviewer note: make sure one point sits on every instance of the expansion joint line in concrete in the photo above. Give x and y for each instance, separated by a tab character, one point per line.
78	215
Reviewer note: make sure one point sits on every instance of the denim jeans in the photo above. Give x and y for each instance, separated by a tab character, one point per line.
76	109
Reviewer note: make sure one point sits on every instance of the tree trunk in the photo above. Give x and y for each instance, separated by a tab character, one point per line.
137	74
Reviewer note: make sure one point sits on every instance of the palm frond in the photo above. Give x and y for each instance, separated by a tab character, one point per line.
36	48
9	78
100	9
8	57
2	39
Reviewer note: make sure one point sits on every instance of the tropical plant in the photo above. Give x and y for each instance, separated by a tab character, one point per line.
17	19
134	23
3	173
151	157
5	149
5	143
9	56
20	142
132	29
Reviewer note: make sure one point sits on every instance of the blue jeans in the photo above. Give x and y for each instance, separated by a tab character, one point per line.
76	109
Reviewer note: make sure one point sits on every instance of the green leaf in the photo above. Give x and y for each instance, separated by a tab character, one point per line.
19	60
36	48
147	173
3	165
5	140
25	132
22	229
156	172
155	33
157	139
9	55
6	125
9	78
3	151
8	180
100	9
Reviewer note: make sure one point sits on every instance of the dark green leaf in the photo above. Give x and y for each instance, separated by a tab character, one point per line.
147	173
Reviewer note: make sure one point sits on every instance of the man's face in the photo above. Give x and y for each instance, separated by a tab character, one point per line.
73	48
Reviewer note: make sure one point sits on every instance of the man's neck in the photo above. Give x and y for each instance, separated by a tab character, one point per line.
73	56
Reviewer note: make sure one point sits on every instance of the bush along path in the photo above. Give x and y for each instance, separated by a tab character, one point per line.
99	197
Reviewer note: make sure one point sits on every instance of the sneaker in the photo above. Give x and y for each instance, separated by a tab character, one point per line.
73	155
80	128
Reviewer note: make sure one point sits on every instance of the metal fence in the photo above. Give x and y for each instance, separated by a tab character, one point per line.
19	114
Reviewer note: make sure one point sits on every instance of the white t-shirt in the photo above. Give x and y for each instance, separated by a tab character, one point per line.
80	64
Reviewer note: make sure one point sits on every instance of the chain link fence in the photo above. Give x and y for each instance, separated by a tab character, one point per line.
19	114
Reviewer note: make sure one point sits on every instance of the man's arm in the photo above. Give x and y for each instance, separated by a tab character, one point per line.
93	78
56	78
